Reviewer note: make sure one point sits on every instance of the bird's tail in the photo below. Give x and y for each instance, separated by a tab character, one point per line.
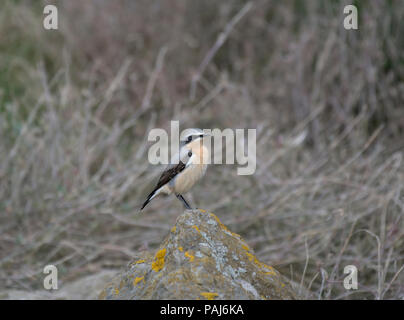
149	198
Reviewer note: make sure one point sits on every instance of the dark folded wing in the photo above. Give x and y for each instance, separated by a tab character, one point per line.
169	174
165	177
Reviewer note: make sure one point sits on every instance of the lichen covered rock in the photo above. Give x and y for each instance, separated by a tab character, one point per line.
199	259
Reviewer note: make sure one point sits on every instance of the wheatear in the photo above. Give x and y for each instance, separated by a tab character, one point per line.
190	165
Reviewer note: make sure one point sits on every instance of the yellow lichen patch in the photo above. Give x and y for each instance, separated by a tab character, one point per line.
260	264
257	262
201	210
271	271
251	257
254	259
181	249
219	222
224	227
137	280
173	229
116	291
189	256
140	261
209	295
235	235
196	228
158	263
245	247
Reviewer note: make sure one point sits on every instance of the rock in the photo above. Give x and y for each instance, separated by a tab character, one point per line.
199	259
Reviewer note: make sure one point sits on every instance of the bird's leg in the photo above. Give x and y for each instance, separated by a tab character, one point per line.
185	203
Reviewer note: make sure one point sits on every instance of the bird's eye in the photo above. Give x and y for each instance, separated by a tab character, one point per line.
201	135
189	153
189	138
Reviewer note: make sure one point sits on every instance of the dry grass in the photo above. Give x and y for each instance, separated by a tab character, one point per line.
76	105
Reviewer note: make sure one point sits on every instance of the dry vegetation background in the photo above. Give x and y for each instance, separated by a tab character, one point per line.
76	106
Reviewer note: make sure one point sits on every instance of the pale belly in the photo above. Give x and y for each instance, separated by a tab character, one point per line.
187	178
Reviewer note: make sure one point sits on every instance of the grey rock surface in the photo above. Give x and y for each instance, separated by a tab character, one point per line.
199	259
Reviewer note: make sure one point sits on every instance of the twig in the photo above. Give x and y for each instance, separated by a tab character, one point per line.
221	39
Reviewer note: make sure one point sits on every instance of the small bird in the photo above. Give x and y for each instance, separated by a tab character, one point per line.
190	165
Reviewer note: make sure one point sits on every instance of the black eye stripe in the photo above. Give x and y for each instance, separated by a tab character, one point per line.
193	137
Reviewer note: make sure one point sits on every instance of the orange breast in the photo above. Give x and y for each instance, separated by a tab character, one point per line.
187	178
